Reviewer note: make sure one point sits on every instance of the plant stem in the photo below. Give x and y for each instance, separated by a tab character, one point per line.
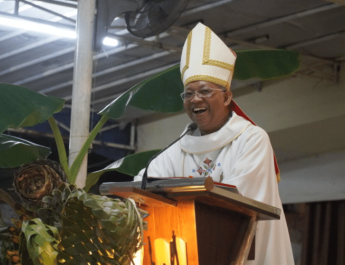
60	145
83	151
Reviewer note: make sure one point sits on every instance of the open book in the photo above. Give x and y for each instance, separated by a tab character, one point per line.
171	184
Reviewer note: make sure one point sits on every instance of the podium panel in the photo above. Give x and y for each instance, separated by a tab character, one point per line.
200	227
219	234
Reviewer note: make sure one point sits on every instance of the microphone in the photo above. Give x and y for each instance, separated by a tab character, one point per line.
191	127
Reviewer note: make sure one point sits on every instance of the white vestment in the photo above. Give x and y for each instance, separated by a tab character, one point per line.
239	154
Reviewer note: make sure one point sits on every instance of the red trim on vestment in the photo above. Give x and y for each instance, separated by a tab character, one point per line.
240	112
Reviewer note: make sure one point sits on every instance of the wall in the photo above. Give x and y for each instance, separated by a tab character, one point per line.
314	178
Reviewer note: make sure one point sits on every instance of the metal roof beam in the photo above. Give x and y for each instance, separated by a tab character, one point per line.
340	2
37	20
12	34
127	79
36	61
147	43
264	24
109	128
63	126
49	11
104	99
110	70
275	21
60	3
19	32
29	47
199	9
50	135
70	65
314	41
205	7
56	70
253	45
32	46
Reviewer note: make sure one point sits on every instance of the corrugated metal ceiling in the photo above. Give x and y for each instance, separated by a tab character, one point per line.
44	62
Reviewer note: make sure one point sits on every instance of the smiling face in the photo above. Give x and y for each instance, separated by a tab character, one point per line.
211	113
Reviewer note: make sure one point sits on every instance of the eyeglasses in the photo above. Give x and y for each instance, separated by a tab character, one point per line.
202	93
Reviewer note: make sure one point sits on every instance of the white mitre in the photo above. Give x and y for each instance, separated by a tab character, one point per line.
205	57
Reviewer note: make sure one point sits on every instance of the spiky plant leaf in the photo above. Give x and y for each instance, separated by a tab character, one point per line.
98	229
93	228
51	208
38	243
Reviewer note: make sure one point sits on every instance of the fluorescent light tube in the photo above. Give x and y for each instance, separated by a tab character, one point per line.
47	29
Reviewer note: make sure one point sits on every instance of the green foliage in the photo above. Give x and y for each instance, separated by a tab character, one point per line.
51	206
59	144
98	229
158	93
130	165
80	157
265	64
15	151
38	243
93	228
22	107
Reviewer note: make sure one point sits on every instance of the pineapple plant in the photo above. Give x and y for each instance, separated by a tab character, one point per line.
71	226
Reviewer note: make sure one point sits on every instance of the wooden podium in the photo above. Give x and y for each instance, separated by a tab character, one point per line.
202	224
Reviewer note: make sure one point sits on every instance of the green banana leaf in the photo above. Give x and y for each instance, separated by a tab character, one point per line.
158	93
22	107
15	152
265	64
161	92
39	242
130	165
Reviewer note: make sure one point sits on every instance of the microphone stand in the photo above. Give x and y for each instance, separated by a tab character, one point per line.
191	127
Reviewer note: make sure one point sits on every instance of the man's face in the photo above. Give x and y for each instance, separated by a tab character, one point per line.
209	113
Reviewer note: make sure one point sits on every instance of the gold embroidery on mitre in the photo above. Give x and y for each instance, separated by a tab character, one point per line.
207	51
189	41
209	79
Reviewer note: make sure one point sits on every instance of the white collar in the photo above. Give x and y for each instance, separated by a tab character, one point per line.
203	144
